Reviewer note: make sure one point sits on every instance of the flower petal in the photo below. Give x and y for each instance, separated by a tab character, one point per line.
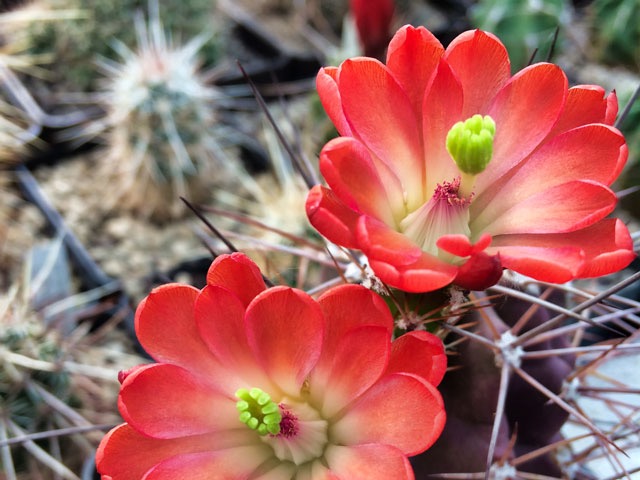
420	353
607	245
347	307
332	218
460	245
166	401
441	109
600	249
537	94
368	462
125	454
357	363
330	97
347	167
412	57
376	418
539	256
481	62
165	315
399	262
424	275
563	208
586	104
220	319
237	273
381	243
371	98
285	328
592	152
232	464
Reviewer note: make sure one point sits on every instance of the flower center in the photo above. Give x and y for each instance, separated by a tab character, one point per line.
258	411
295	430
303	433
445	213
470	144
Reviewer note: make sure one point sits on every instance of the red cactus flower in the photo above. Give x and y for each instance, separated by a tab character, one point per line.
272	384
449	168
373	22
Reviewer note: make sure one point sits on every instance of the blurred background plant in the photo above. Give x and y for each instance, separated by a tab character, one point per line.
524	26
57	380
615	30
86	27
160	128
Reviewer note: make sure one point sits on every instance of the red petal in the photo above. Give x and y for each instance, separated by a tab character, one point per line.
481	62
238	273
441	109
413	56
400	410
166	328
592	152
373	20
420	353
607	245
347	167
166	401
600	249
369	462
461	246
480	272
539	256
220	320
381	243
612	109
563	208
332	218
234	464
330	98
345	308
525	110
356	365
586	104
125	454
382	117
285	328
425	275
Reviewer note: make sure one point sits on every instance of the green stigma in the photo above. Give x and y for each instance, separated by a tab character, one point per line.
258	411
470	143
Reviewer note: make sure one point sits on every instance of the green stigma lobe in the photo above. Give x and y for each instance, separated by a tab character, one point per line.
258	411
470	143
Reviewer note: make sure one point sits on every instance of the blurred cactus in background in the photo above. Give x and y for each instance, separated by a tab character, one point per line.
159	122
53	379
74	42
523	26
615	27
